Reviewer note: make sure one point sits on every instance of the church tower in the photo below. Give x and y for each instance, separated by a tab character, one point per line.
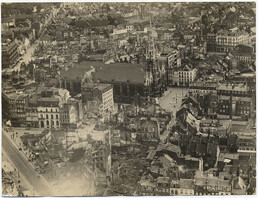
152	71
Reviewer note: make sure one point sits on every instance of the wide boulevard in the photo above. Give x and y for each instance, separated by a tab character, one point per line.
26	169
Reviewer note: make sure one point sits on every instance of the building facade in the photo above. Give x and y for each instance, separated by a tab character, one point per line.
14	107
49	113
169	61
201	88
9	53
44	108
224	41
104	93
236	108
183	76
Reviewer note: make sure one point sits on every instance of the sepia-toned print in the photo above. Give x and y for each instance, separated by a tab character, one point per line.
128	98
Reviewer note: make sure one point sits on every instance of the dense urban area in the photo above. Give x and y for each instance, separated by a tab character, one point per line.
128	98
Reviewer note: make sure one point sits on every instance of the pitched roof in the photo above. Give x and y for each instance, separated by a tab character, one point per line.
213	181
163	179
121	72
186	183
169	147
239	183
151	154
190	99
79	70
200	181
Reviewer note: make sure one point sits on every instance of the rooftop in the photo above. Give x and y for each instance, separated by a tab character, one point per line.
203	84
48	99
163	180
169	147
102	87
16	95
120	72
186	183
229	87
221	97
244	99
79	70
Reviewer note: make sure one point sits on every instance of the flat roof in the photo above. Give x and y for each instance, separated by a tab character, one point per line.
16	96
48	99
244	99
238	87
205	84
221	97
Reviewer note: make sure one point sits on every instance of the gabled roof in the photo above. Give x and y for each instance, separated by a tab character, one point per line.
151	154
166	163
239	183
169	147
190	99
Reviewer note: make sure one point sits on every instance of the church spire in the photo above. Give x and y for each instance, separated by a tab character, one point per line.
151	48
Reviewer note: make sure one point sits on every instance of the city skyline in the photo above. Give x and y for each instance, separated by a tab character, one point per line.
128	98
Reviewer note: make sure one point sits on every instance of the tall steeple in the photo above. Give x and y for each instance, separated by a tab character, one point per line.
151	47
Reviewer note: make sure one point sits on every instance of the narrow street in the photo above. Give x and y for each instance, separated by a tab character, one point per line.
28	56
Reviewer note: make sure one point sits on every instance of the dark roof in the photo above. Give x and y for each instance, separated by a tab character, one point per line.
232	139
212	149
200	148
79	70
120	72
117	72
190	100
191	147
196	139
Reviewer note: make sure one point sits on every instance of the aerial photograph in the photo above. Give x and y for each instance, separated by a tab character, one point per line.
128	98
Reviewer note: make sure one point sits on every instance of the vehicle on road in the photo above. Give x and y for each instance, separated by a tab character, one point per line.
40	170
